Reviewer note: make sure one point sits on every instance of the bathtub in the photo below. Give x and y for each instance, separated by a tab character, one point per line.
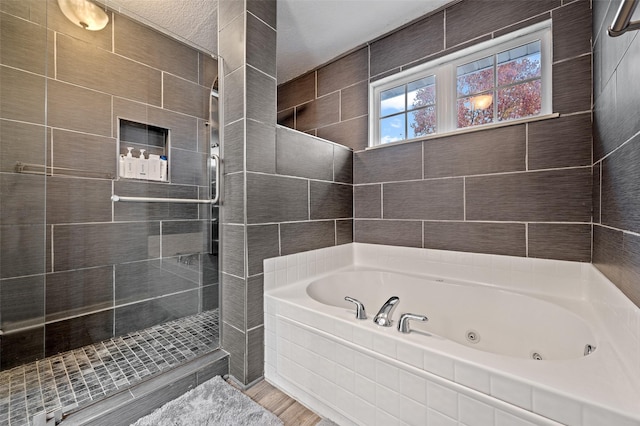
508	341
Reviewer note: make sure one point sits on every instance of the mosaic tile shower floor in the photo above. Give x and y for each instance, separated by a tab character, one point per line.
82	376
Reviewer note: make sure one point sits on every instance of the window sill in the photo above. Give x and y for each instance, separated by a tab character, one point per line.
469	130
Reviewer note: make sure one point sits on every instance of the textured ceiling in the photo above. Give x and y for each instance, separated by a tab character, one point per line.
310	32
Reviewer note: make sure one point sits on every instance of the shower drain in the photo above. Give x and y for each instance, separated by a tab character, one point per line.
473	336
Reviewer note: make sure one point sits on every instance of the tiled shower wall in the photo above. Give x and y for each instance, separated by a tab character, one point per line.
521	190
284	191
76	268
616	169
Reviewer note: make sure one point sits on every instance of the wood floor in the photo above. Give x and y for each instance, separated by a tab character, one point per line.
290	411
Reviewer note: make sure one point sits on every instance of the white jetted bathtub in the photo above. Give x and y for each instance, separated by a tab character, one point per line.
508	341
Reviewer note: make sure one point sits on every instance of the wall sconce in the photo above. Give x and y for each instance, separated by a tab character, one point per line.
84	14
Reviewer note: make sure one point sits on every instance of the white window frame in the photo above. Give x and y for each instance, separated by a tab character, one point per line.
444	69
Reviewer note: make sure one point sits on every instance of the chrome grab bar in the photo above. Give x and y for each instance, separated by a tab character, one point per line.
177	200
217	160
622	21
160	200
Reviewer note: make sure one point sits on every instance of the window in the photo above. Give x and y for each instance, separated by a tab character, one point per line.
508	78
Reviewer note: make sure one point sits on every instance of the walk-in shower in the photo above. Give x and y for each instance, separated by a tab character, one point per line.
107	277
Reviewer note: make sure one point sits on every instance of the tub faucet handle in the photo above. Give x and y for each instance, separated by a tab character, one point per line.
361	314
383	317
403	324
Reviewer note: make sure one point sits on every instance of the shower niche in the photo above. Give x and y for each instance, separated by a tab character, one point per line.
143	151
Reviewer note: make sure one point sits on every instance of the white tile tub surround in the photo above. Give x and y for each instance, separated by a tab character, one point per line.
358	373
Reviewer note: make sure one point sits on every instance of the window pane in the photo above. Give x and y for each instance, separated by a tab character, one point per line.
422	122
392	101
392	129
475	110
521	100
475	77
421	92
519	64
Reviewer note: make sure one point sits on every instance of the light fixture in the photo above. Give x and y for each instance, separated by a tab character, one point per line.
84	14
481	101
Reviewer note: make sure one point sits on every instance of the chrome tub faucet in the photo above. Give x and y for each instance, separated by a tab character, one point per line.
383	317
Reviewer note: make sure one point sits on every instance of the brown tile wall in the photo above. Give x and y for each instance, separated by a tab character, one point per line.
522	190
76	268
616	195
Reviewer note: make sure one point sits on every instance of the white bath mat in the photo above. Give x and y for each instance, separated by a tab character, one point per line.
214	402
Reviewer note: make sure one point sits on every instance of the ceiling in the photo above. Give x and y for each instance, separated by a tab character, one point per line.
310	32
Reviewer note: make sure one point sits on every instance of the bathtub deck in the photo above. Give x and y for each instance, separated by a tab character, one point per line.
82	376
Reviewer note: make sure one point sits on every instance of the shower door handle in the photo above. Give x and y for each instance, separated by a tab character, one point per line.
216	198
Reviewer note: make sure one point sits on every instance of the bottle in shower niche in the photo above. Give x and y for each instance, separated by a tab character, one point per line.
164	169
143	166
154	167
121	166
129	164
